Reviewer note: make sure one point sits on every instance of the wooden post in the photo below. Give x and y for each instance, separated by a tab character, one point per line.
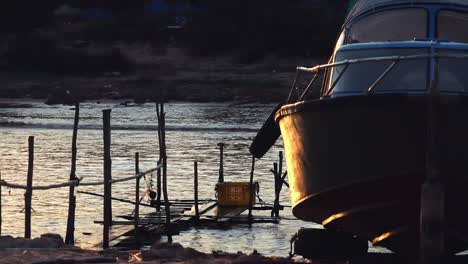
28	194
107	178
195	187
252	192
221	162
158	185
137	197
0	205
278	181
162	126
159	174
70	235
278	172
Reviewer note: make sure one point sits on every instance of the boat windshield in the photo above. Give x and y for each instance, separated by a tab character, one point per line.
452	26
452	73
390	25
405	75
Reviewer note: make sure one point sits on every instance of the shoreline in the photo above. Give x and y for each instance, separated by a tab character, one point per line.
129	90
172	76
50	249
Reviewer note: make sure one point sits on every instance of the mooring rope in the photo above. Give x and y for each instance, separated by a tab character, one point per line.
76	182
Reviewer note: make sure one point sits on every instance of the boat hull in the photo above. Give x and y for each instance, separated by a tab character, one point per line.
357	164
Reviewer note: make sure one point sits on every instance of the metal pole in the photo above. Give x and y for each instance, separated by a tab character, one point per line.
28	194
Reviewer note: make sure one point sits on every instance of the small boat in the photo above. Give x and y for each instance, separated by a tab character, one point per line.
390	118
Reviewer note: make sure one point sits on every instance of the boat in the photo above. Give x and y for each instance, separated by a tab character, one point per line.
380	148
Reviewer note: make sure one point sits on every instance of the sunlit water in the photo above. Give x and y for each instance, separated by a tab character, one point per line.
193	132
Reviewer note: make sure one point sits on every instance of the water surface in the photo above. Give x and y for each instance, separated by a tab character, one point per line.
193	131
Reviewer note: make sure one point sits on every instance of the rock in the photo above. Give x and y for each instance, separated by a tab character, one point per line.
78	260
52	240
7	242
256	257
45	241
53	236
171	251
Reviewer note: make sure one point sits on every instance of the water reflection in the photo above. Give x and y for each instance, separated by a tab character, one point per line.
196	129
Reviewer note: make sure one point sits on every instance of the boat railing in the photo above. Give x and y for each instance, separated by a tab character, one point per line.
326	91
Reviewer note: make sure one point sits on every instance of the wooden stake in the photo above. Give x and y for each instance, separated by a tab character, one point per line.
70	235
252	192
221	162
162	126
137	197
158	186
195	184
0	205
28	194
107	178
159	174
278	181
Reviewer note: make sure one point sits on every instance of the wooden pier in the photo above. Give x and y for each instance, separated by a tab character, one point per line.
170	216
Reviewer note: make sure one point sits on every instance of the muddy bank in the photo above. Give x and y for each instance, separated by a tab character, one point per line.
172	76
50	249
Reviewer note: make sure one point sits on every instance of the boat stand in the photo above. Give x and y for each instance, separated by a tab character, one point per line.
432	214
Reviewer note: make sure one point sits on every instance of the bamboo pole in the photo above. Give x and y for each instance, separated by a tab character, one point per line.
107	178
70	235
137	197
251	192
28	194
195	187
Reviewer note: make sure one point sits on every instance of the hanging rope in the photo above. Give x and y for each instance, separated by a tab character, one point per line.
76	182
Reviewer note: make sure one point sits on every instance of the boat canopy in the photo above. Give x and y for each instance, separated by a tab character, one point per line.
398	67
363	6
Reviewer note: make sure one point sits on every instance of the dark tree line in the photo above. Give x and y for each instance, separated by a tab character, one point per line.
18	15
251	26
24	15
281	26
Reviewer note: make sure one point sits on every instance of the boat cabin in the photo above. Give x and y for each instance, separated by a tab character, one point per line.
381	152
394	46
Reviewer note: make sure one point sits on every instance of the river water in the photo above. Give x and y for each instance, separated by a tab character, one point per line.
193	131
